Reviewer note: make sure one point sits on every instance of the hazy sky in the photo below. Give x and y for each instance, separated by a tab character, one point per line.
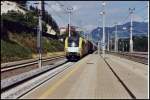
86	14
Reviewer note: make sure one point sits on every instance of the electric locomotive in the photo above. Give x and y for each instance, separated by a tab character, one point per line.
75	46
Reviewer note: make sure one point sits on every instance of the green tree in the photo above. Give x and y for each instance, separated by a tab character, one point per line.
140	43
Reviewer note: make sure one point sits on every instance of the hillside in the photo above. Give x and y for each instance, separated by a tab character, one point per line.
19	37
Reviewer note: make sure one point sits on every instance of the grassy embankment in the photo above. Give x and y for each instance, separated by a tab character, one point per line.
20	47
18	43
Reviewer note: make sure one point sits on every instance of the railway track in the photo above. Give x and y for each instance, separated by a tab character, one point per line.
12	66
116	78
22	75
8	84
18	85
35	82
137	57
22	87
16	68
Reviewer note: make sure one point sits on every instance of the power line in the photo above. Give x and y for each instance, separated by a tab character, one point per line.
139	10
56	13
142	17
62	5
125	19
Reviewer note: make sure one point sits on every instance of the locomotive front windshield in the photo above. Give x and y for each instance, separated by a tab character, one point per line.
73	40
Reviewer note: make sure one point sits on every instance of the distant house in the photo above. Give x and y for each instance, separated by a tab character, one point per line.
62	30
50	30
13	6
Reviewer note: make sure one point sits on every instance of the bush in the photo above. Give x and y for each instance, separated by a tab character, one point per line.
52	45
19	39
11	51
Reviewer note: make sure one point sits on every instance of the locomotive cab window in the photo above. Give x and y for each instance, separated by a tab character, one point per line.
73	40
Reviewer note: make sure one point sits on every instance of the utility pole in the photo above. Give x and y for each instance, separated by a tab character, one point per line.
91	38
103	39
40	33
119	47
87	36
108	42
116	40
131	29
69	12
83	34
126	46
99	47
98	43
122	46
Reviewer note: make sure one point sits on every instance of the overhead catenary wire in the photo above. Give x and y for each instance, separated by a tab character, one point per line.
136	11
56	13
125	19
62	6
141	9
67	12
63	9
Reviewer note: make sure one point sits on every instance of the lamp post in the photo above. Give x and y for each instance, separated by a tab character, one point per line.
116	39
39	34
103	39
108	42
122	45
99	42
69	12
131	38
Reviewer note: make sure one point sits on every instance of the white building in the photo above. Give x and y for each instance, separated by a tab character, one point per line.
13	6
62	30
8	6
50	30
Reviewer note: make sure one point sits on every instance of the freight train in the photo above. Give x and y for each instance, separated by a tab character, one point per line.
76	47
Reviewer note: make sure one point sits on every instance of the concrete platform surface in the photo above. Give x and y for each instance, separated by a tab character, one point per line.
91	78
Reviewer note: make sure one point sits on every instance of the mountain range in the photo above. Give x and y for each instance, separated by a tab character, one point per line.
123	31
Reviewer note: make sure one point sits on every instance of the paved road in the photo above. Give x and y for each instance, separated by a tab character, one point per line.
91	78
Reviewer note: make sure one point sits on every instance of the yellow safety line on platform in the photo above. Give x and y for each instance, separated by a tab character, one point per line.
51	89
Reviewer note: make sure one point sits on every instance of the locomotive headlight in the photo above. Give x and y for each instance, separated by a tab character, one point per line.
73	44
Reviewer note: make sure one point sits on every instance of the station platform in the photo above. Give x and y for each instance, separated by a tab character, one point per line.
95	78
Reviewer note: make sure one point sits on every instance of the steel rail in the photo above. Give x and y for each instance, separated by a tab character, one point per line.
25	64
13	81
134	57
